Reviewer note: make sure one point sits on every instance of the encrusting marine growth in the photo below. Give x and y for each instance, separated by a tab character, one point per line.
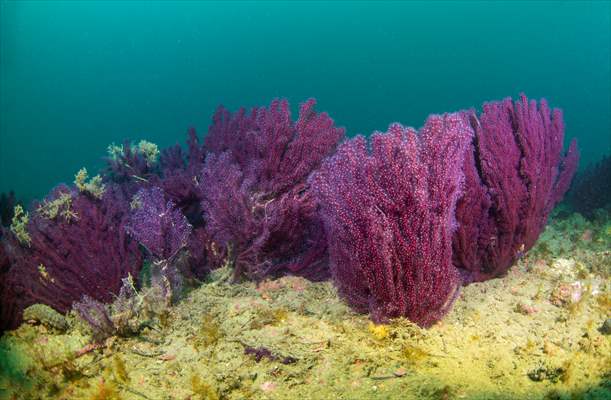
399	222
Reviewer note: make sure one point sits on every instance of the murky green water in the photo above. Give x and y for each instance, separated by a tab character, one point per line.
75	76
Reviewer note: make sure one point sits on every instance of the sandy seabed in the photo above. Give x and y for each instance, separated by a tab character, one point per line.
538	333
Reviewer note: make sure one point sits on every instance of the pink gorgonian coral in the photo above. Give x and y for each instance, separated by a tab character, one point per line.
77	246
256	200
388	213
515	173
157	224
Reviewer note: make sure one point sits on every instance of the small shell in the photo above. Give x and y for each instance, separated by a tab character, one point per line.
167	357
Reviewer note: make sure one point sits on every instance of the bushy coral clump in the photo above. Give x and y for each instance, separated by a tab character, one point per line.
515	173
181	183
180	178
78	246
256	200
164	232
157	224
402	221
389	218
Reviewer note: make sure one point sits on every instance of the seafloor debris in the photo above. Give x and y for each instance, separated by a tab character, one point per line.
543	373
260	353
566	294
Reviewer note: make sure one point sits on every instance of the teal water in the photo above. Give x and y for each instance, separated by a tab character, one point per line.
76	76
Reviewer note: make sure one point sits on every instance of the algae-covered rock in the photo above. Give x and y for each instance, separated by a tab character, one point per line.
290	338
45	315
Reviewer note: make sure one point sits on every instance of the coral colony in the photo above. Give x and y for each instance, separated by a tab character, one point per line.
157	224
389	217
515	174
255	200
399	222
70	245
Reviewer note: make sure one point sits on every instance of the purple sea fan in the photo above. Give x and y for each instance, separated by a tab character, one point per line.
271	149
515	174
389	218
81	250
256	199
181	183
180	177
157	224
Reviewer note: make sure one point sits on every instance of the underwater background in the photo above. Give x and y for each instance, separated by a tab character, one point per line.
76	76
275	253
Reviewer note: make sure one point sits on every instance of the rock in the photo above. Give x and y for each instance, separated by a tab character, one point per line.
525	309
45	315
566	294
605	328
546	372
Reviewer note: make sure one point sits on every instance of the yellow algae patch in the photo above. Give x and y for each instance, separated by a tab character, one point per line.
289	338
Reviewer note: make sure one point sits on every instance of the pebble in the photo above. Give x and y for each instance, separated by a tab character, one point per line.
605	328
